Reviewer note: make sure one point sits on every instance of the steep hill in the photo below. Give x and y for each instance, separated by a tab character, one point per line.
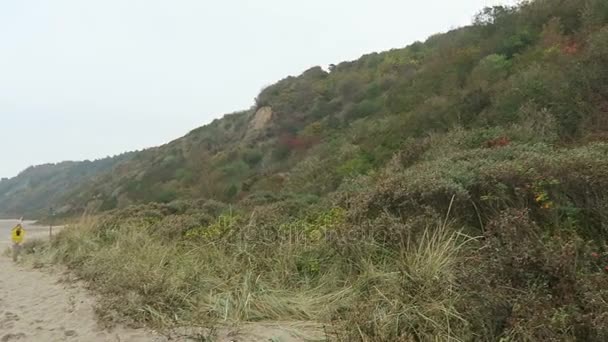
541	69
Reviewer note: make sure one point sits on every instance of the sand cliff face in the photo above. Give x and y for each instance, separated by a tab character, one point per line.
259	122
261	119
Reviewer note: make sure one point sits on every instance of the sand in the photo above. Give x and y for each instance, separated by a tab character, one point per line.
36	306
39	305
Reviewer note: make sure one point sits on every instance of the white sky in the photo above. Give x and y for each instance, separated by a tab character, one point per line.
83	79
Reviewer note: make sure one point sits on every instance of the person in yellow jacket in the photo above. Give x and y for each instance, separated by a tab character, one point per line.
17	235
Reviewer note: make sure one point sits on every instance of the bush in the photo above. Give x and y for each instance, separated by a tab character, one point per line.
485	180
252	157
595	14
554	268
490	70
364	108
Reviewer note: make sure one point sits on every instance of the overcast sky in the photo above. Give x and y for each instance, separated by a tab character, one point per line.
83	79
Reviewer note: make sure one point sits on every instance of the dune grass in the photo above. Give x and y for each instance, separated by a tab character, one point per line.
143	279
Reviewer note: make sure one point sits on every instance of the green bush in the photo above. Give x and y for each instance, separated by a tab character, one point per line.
364	108
595	13
490	70
356	166
252	157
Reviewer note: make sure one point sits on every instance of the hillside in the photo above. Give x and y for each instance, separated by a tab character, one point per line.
531	68
454	189
35	190
352	119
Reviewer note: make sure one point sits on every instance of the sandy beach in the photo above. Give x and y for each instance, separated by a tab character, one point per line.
37	306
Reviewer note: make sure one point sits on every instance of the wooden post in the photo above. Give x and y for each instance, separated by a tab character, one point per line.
52	213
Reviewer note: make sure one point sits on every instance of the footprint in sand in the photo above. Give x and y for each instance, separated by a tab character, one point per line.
9	316
70	333
12	337
6	325
8	321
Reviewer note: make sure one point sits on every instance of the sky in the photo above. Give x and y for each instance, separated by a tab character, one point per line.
85	79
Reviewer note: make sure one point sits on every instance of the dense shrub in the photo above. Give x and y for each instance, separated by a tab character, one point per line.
485	180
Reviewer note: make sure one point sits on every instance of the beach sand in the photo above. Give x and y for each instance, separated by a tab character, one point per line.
37	306
40	305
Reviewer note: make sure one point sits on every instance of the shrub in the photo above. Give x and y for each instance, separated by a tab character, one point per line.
595	14
356	166
554	270
252	157
483	181
490	70
365	108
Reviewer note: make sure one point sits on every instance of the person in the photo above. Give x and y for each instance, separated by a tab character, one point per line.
18	234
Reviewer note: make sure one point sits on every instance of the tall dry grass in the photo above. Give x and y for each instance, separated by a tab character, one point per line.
372	294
